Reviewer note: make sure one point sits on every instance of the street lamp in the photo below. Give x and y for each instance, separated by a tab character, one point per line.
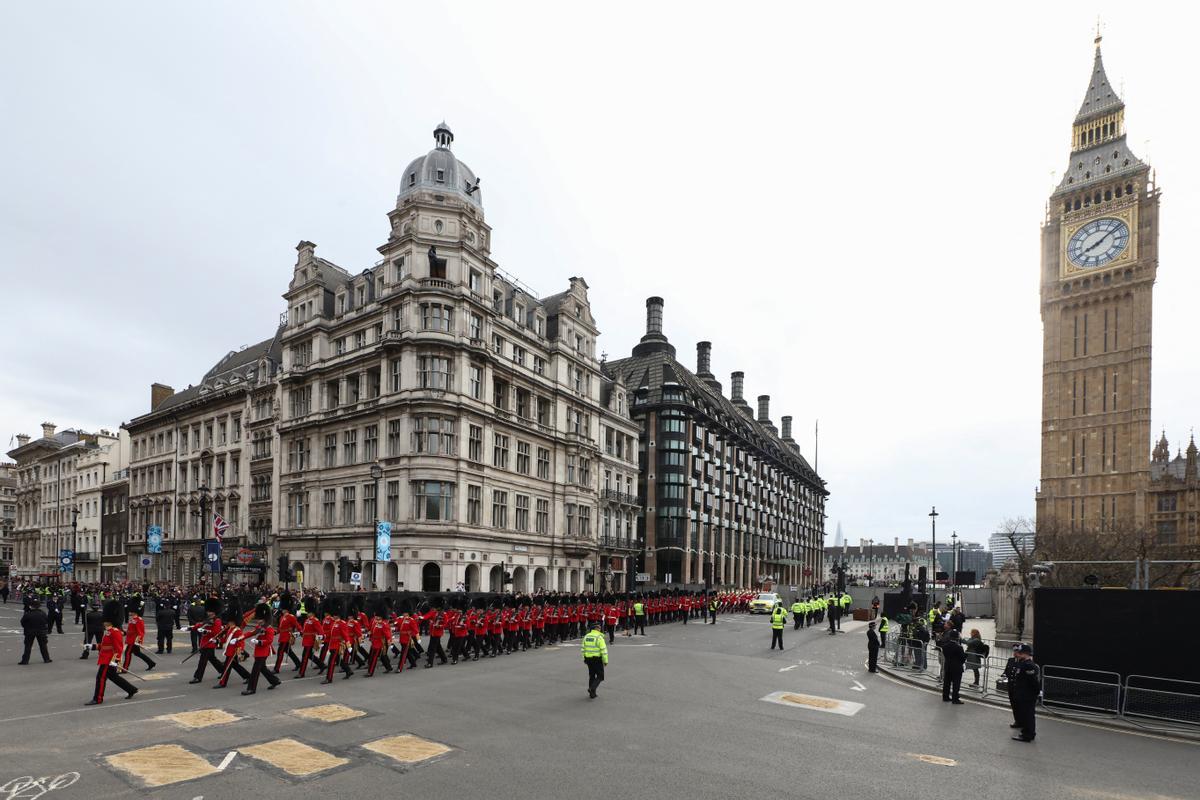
376	474
954	559
870	561
933	515
203	490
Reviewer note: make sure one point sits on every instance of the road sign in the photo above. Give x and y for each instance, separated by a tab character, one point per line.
791	588
356	579
643	577
145	562
66	560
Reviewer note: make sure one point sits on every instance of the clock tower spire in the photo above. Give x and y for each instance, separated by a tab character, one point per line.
1099	261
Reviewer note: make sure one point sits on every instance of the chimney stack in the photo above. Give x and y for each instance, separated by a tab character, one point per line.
787	428
654	316
158	393
764	408
654	341
896	545
736	381
22	439
47	429
304	253
704	359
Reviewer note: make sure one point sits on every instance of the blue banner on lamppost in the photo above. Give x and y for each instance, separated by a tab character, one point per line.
66	560
154	539
383	541
212	556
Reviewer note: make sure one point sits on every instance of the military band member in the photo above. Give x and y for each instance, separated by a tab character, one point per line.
288	627
135	634
380	635
260	640
234	639
112	645
311	631
209	638
337	641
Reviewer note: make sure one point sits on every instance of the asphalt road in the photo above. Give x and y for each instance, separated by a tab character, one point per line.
681	715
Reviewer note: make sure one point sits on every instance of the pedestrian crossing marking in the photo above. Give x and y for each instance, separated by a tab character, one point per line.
161	765
201	718
333	712
293	757
157	676
826	704
407	749
941	761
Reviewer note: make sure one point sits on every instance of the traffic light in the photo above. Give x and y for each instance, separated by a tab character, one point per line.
285	574
343	569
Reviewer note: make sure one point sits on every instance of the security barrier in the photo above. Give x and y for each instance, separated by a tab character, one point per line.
1161	698
1086	689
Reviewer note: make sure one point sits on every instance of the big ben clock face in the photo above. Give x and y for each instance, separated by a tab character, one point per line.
1098	243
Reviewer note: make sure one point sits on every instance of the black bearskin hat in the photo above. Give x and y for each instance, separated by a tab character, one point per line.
357	603
213	604
286	603
133	605
262	611
334	607
113	613
385	606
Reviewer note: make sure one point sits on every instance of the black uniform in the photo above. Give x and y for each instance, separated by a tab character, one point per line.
54	614
196	616
35	624
872	650
952	669
1025	685
93	629
164	620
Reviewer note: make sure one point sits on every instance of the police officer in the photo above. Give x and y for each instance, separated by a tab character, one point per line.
1024	687
883	631
872	648
835	613
639	617
165	614
35	625
595	656
778	619
93	627
955	658
797	614
54	613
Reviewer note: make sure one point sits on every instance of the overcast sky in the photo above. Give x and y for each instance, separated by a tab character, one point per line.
844	198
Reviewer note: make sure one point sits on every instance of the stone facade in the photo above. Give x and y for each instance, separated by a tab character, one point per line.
189	461
94	467
1099	262
114	526
8	515
435	392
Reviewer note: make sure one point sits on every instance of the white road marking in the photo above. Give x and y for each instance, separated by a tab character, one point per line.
788	669
93	708
228	758
858	687
814	702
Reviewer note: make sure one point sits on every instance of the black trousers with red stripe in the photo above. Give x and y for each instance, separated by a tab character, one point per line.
132	650
106	673
377	655
306	655
286	650
231	664
207	656
260	664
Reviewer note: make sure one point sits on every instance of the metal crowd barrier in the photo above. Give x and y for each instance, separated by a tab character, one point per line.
1085	689
1162	698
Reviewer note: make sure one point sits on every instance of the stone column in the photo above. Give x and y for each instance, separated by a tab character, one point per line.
1006	600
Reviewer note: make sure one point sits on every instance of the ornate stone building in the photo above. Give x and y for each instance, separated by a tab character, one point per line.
95	467
729	500
189	461
8	515
1099	261
435	392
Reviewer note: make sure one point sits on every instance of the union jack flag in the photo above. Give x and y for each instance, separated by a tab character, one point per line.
219	527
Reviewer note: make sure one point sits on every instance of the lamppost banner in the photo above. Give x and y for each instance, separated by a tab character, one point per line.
66	560
212	556
383	541
154	539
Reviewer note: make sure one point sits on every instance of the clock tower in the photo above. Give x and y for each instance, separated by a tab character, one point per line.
1099	259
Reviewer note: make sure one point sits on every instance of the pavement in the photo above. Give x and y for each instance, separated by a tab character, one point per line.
687	711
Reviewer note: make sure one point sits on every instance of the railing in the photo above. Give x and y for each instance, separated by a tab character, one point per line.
1085	689
1179	703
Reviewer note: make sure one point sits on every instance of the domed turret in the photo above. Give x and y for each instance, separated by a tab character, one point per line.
439	171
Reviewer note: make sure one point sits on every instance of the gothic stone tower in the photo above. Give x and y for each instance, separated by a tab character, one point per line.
1099	259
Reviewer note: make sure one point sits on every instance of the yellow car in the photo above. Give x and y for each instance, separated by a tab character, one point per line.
764	603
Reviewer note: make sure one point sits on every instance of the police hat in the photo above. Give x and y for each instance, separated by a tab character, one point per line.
1023	648
595	624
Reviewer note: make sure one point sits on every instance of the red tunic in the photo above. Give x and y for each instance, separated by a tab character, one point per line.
264	637
211	637
111	646
381	633
312	629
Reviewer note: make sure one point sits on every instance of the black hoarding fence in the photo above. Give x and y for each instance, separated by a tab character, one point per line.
1119	631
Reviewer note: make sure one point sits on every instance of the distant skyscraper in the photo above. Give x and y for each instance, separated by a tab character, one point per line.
839	541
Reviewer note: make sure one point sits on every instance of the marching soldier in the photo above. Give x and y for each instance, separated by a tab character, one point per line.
337	640
135	634
233	645
380	634
260	640
310	632
112	644
288	626
437	627
208	636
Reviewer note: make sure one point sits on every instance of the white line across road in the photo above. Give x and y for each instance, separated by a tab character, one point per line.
93	708
789	669
227	760
858	687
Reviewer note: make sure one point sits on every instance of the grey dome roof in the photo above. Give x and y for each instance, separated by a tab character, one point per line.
439	170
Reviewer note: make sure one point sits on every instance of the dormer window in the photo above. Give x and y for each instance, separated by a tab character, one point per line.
578	311
362	296
441	176
341	304
401	269
412	179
